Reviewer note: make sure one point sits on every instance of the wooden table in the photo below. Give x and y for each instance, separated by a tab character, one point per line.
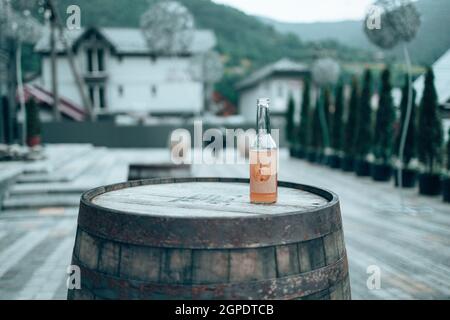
200	238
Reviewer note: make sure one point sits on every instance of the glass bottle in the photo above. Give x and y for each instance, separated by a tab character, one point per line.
263	159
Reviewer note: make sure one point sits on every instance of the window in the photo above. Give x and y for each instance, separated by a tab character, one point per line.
100	57
154	90
97	96
90	58
95	60
101	93
92	95
280	90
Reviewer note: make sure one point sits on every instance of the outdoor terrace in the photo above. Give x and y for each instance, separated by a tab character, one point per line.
38	222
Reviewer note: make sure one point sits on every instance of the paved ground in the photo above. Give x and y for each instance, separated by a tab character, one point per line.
409	245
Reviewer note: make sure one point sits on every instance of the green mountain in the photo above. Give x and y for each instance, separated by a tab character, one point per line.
431	41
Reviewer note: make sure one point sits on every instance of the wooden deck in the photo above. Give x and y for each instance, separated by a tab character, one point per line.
410	244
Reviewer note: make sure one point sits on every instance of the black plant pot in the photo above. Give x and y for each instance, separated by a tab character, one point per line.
381	172
409	178
334	161
293	151
429	184
325	159
347	164
362	168
320	157
446	189
311	156
301	154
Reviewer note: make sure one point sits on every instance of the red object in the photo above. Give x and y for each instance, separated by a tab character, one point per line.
227	108
66	107
34	141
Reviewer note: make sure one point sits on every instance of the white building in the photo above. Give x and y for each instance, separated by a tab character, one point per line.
123	76
441	69
277	81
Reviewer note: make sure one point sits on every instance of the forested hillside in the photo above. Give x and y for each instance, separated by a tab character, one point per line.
431	41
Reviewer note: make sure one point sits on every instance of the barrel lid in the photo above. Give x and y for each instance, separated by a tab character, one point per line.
206	212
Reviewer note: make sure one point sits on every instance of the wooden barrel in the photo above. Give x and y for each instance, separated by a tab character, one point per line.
200	238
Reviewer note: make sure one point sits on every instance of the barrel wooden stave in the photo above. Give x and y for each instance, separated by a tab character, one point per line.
169	266
312	269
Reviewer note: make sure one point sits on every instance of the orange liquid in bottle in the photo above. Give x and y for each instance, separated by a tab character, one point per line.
263	176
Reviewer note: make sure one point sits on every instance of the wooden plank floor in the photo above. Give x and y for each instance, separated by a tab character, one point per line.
410	245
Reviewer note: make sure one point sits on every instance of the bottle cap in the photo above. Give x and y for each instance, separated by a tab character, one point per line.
263	101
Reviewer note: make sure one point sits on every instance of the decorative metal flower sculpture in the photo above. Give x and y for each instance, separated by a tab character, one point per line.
325	71
168	27
399	22
207	67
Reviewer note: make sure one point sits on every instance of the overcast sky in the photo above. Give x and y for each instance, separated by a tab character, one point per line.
303	10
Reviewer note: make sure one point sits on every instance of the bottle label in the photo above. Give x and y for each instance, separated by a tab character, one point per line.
263	171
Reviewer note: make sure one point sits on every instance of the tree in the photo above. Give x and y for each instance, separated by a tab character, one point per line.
22	28
430	127
304	131
315	136
384	125
448	153
410	151
290	120
336	127
363	136
350	125
326	115
325	72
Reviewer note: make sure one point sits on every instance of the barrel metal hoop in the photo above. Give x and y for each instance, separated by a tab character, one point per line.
301	285
210	232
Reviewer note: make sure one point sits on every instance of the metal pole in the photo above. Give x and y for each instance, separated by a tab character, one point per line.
54	69
21	92
79	81
406	122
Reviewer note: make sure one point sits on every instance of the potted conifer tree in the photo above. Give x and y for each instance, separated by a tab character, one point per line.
347	163
446	178
33	124
363	136
290	126
429	140
326	149
304	128
381	169
315	136
334	160
409	165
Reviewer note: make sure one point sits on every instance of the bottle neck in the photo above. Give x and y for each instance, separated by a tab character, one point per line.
263	120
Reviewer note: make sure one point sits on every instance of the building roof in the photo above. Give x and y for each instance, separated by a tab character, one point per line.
282	67
441	70
125	40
